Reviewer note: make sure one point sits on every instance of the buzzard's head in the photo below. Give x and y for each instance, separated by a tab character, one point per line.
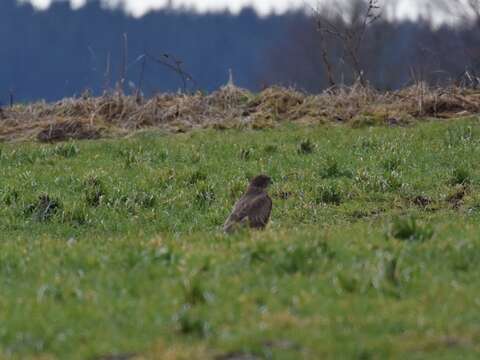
261	181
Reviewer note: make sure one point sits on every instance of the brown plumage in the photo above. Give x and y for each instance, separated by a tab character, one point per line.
253	208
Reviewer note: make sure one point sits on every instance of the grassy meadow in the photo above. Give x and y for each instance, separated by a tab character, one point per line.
114	246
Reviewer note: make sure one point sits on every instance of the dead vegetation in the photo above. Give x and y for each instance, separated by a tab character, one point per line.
114	114
68	129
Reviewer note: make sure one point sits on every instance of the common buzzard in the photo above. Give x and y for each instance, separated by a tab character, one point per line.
253	208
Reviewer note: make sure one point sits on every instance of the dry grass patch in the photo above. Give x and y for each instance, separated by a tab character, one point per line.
89	117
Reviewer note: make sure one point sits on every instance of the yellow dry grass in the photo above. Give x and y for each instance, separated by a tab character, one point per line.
89	117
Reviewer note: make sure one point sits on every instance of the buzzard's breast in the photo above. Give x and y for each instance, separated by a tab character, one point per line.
259	212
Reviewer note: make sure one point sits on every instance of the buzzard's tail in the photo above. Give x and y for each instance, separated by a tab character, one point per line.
231	225
228	227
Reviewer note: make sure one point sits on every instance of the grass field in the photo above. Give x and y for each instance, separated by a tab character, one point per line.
114	246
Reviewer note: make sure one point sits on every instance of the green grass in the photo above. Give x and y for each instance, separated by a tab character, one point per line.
115	246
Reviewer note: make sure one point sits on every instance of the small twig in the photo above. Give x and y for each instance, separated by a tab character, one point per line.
174	64
326	62
94	58
178	65
138	95
10	98
107	73
418	79
123	68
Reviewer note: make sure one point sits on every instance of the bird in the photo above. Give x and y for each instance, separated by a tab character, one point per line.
253	208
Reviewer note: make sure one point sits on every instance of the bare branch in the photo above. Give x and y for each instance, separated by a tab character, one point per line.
138	94
10	98
351	35
174	64
123	68
107	73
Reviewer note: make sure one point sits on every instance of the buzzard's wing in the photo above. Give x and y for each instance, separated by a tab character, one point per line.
238	214
254	208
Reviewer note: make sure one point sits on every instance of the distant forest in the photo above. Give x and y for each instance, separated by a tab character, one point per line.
63	52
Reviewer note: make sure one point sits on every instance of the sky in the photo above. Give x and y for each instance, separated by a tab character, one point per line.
403	8
263	7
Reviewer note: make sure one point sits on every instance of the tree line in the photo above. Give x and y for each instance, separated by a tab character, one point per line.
62	52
